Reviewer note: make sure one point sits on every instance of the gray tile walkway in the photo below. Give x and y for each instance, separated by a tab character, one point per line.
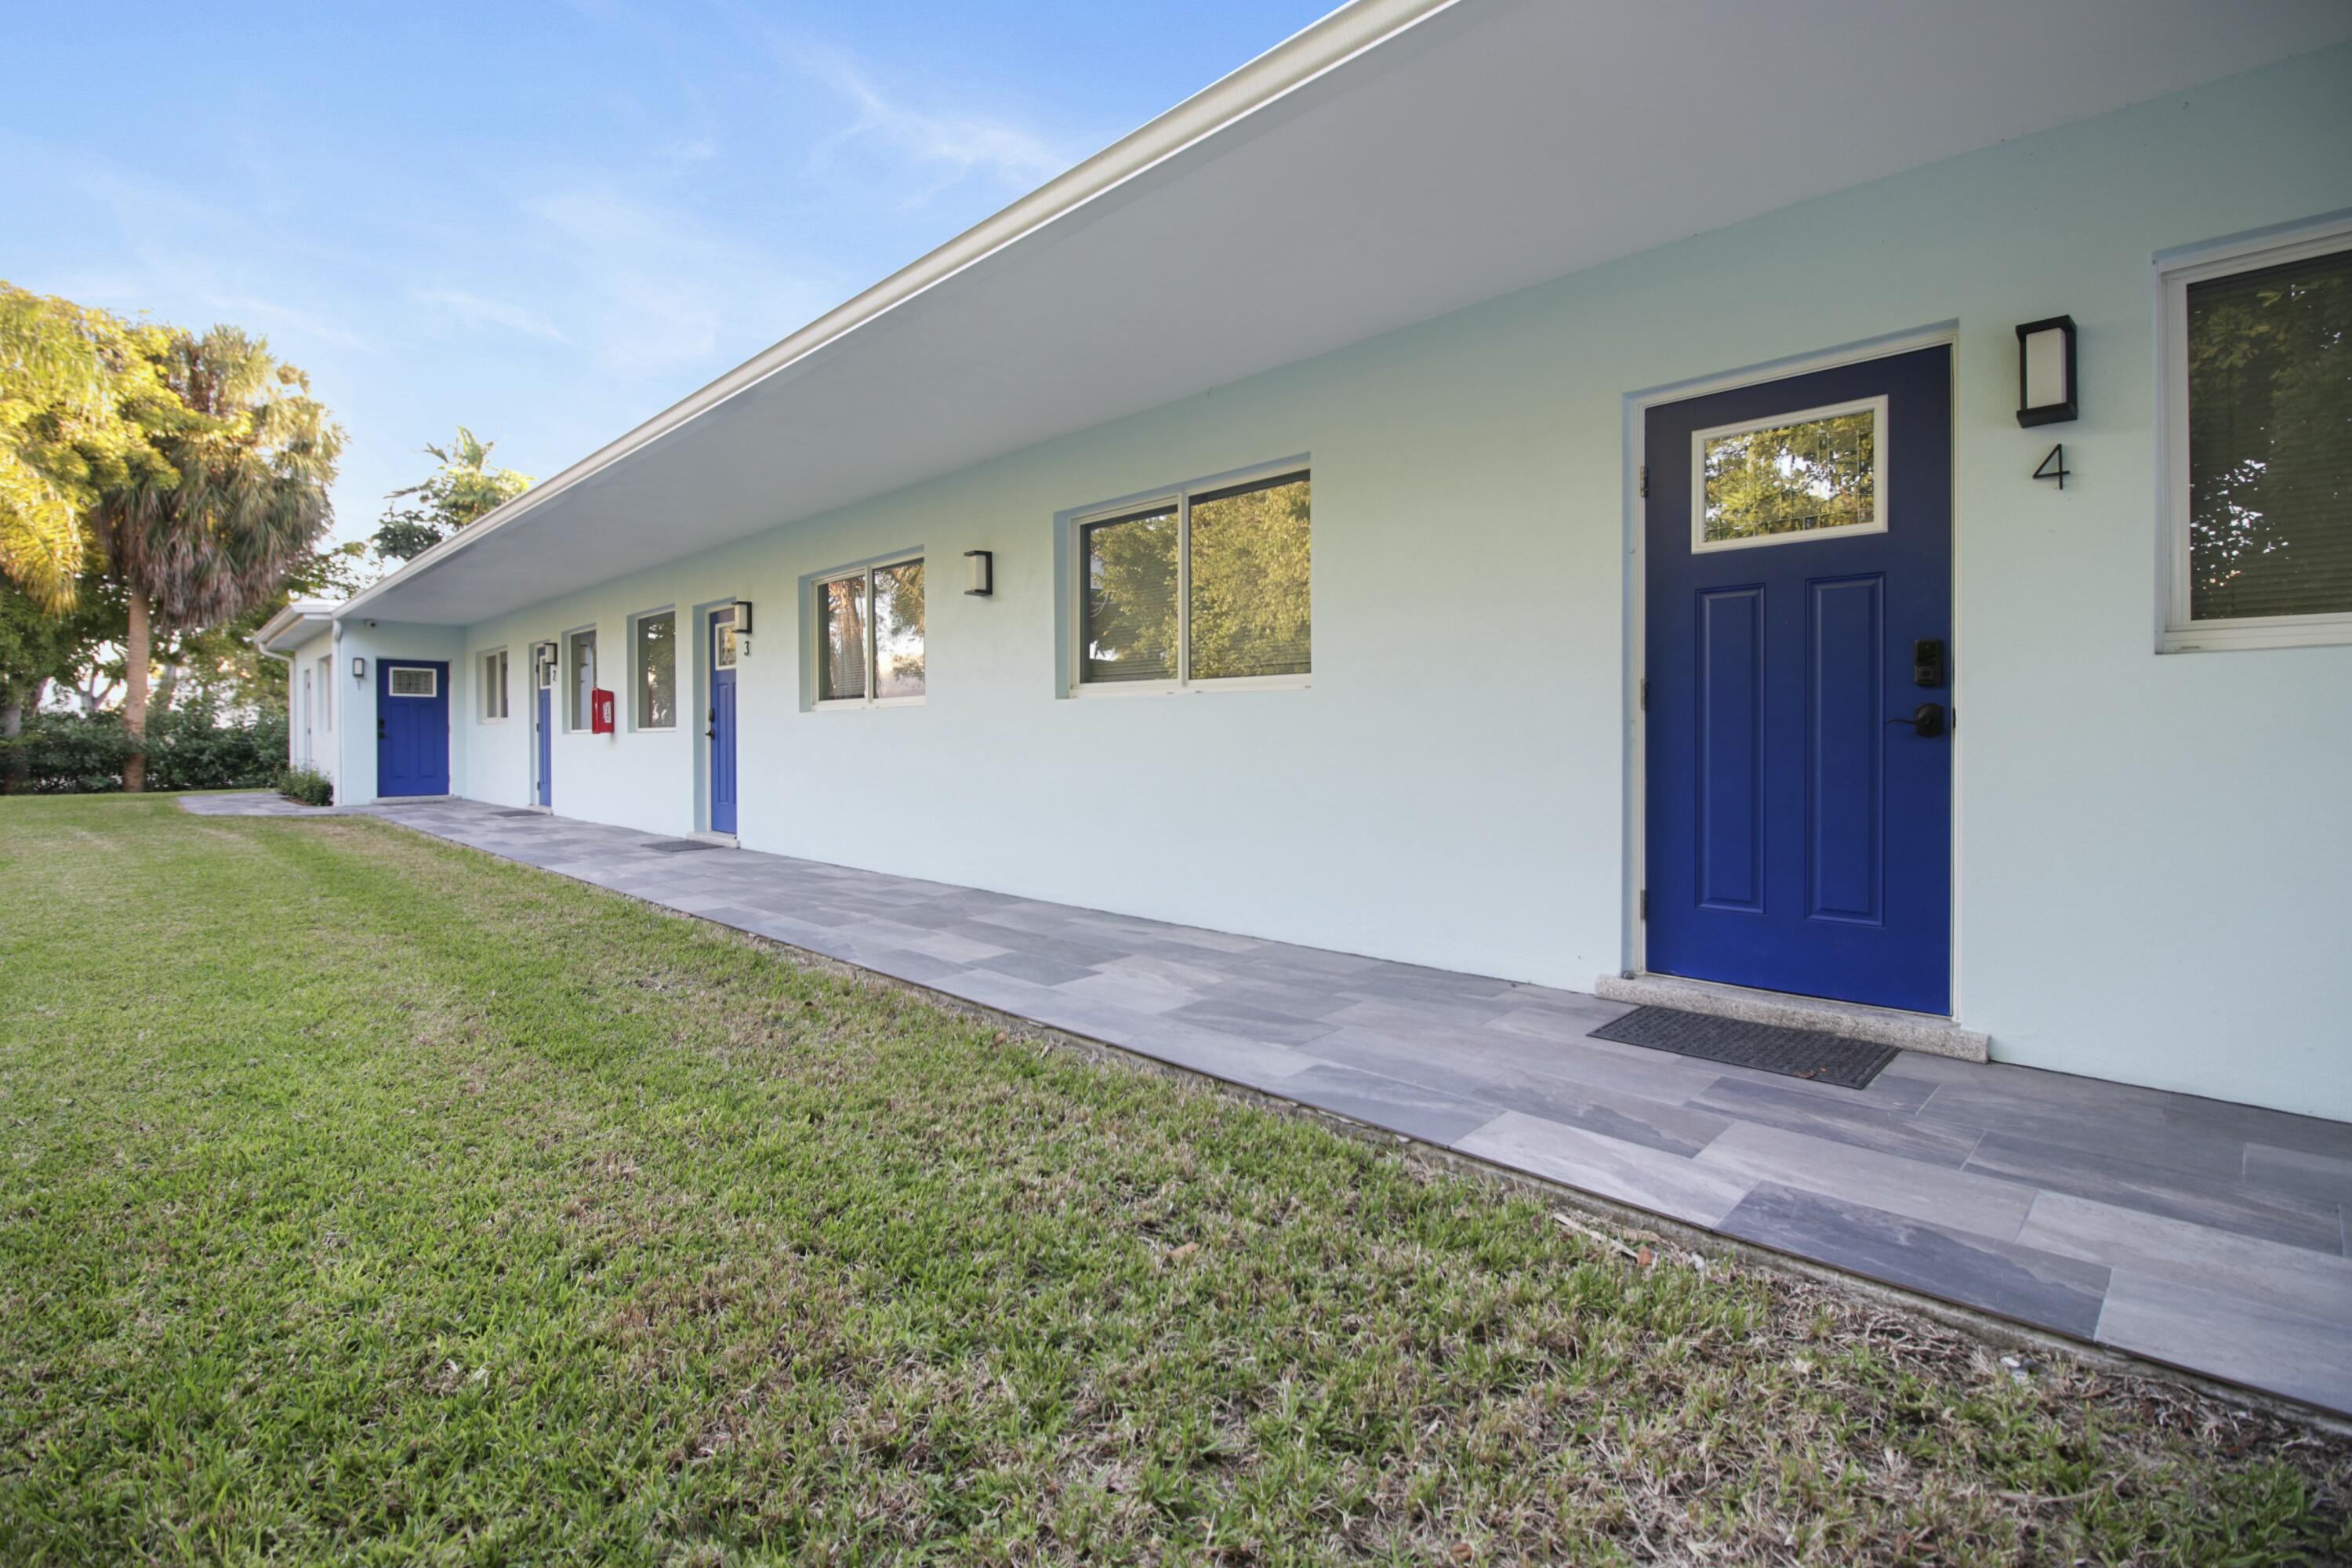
2207	1236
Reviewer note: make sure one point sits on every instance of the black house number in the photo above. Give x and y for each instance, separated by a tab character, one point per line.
2054	466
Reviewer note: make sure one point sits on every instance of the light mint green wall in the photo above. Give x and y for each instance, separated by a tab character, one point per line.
355	735
2152	855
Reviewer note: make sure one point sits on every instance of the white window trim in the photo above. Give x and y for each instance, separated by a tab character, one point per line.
1180	498
481	663
817	637
1877	406
391	685
2175	632
637	674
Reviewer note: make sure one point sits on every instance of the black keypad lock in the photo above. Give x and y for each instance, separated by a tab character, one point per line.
1927	662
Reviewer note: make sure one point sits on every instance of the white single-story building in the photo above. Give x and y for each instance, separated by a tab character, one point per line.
1850	501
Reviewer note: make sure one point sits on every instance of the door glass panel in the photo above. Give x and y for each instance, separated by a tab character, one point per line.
723	650
409	682
1792	476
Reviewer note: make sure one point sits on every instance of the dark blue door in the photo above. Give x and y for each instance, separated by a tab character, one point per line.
411	727
1798	545
546	742
722	730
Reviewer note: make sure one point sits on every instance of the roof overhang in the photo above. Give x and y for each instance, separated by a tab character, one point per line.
295	625
1398	160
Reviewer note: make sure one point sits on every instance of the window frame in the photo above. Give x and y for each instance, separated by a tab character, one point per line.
1876	407
637	672
2176	630
432	681
1180	496
494	687
817	645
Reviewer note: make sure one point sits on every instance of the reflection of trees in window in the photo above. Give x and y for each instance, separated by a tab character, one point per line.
2270	441
1250	605
841	665
898	630
656	672
1131	610
1248	596
1791	478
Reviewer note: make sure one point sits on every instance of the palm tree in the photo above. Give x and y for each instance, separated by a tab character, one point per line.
253	453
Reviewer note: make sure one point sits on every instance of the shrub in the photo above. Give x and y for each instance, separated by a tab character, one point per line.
306	784
67	753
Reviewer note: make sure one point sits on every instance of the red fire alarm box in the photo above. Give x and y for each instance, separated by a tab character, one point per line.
600	712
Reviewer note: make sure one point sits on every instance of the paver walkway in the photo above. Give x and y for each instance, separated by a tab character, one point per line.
2194	1232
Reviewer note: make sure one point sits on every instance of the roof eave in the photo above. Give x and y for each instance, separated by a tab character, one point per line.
1320	47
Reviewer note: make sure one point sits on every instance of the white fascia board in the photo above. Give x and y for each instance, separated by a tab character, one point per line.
1317	50
275	629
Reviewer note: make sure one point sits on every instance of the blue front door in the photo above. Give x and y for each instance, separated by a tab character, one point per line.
411	727
720	731
546	742
1798	538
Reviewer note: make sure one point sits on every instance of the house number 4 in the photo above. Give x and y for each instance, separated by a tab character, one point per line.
2054	466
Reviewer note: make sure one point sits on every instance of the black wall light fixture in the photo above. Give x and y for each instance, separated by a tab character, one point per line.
2045	372
742	618
359	668
979	573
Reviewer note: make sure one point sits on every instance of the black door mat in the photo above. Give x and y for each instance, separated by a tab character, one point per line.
1768	1048
675	846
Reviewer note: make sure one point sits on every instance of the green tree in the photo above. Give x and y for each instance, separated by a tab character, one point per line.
465	488
39	647
78	394
253	453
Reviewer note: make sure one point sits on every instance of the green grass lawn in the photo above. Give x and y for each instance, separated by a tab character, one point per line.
367	1199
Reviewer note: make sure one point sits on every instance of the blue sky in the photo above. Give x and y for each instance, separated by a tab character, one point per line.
549	222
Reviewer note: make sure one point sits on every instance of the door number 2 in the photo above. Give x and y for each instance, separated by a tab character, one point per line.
2054	466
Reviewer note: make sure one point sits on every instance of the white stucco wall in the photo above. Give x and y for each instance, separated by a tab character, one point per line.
1452	787
308	656
355	711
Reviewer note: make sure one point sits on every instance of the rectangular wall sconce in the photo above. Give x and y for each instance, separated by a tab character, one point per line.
980	572
2045	372
742	618
359	668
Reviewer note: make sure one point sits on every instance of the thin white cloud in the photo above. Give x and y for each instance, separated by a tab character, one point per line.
953	144
662	288
278	320
476	311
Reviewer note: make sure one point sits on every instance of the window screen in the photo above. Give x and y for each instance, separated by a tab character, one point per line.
658	671
898	630
583	680
841	639
1131	596
494	685
1251	610
2270	441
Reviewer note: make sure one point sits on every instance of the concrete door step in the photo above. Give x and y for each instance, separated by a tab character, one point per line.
1882	1025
